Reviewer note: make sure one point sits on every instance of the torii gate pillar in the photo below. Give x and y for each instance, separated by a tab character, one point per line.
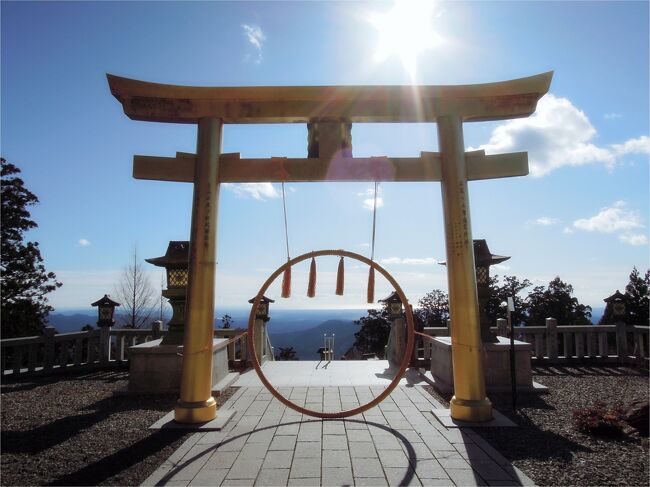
196	404
469	402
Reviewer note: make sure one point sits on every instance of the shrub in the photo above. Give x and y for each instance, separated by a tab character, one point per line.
598	420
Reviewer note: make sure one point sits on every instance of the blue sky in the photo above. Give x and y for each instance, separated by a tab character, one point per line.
582	214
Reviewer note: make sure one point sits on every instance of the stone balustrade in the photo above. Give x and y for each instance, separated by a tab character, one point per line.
620	343
104	347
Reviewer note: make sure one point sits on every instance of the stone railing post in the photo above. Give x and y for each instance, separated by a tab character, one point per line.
48	356
551	338
621	341
156	328
104	344
502	327
449	327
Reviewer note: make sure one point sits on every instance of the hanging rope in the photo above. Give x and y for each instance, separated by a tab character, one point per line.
371	272
286	278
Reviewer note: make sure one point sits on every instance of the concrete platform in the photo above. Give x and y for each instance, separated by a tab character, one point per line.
498	420
398	442
305	373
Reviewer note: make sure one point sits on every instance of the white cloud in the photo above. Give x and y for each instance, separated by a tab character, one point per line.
369	198
610	219
83	242
615	219
558	134
258	191
567	230
634	239
256	37
612	116
546	221
410	261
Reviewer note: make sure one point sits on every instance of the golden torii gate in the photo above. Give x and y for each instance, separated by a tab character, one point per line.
330	111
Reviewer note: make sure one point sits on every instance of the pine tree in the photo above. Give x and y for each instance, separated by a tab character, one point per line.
374	332
557	302
24	282
433	308
637	292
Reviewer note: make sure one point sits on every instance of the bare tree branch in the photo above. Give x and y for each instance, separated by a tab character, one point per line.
136	295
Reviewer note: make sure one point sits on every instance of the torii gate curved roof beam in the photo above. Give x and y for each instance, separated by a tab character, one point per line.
156	102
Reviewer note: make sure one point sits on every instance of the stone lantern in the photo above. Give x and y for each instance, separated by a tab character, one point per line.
483	259
396	346
395	307
259	332
176	262
105	311
617	302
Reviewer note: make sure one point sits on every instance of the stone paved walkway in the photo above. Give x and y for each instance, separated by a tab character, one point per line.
398	442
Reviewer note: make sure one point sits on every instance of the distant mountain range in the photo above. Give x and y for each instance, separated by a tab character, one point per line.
306	342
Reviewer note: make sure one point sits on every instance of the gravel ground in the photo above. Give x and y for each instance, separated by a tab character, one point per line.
72	430
548	448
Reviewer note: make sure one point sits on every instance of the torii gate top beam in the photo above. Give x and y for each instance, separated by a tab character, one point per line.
300	104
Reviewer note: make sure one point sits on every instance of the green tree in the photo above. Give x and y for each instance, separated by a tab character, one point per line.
433	308
556	301
286	354
637	293
510	286
24	281
226	321
373	334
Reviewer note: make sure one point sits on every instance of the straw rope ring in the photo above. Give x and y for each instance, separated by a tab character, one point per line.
405	360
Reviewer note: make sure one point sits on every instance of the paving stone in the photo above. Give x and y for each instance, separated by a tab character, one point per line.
283	443
311	481
401	476
370	481
357	424
453	463
489	470
428	469
187	445
393	458
212	438
209	477
363	450
335	442
337	476
220	460
232	444
308	449
272	477
358	435
233	482
465	477
245	468
419	451
277	459
305	468
366	467
310	431
288	429
184	471
254	450
387	442
333	427
473	453
336	458
438	482
157	476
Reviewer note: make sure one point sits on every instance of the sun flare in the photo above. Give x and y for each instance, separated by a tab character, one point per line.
405	31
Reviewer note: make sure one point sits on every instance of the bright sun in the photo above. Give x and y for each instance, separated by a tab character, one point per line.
405	30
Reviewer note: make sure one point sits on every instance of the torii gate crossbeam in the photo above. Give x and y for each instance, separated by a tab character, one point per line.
330	109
